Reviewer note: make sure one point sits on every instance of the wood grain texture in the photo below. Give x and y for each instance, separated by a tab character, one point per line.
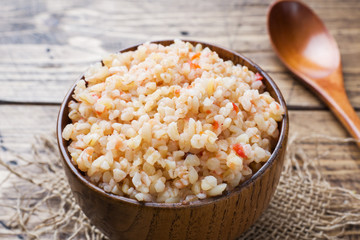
43	57
45	46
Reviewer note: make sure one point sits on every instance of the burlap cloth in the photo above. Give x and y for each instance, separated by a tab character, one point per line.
39	205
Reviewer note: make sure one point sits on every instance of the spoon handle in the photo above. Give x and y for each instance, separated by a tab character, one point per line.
332	91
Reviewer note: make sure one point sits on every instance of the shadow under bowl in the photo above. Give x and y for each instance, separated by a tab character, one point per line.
222	217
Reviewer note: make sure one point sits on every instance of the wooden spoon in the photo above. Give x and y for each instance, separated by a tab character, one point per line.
305	46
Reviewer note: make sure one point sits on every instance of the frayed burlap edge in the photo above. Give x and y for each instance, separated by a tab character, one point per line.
305	206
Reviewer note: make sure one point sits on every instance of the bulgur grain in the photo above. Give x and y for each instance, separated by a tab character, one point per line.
170	123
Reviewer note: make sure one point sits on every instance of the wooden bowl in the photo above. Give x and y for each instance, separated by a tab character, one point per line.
222	217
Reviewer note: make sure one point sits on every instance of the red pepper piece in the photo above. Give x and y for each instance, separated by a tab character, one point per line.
238	148
196	55
193	65
236	108
258	77
216	125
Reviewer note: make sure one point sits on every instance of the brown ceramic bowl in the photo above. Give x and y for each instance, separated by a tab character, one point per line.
222	217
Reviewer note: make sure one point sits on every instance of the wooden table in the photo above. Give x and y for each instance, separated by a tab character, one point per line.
45	46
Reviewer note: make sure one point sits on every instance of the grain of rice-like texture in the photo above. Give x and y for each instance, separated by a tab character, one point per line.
170	124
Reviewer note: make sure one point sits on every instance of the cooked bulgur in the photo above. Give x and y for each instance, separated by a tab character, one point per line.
170	123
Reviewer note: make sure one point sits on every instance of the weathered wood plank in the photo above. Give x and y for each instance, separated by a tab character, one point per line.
43	47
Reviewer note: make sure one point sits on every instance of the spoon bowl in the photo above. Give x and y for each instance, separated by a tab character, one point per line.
302	41
307	49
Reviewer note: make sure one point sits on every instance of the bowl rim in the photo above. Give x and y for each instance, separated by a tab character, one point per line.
66	159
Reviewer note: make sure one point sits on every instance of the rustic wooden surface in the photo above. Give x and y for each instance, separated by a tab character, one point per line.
45	45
